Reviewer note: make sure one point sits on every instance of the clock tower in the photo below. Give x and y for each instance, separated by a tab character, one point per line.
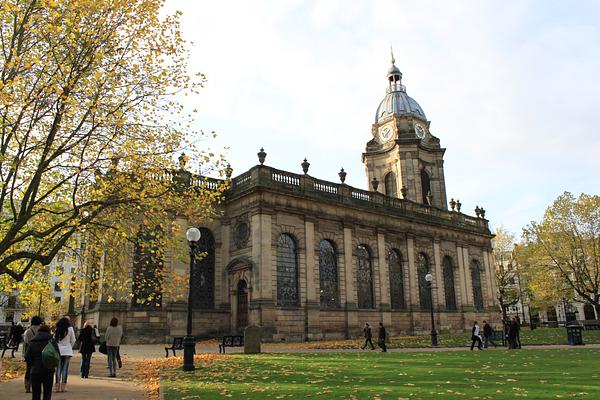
403	155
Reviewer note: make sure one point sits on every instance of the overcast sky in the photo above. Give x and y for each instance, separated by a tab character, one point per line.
511	89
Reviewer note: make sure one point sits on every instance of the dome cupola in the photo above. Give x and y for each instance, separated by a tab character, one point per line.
396	101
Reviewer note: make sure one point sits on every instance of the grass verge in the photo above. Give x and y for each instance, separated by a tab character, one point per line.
502	374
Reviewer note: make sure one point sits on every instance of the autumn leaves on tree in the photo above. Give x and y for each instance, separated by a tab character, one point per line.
90	126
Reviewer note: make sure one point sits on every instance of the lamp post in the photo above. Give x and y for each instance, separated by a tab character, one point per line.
189	341
429	279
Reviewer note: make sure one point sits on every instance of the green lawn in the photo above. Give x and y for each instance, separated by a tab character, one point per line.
528	337
491	374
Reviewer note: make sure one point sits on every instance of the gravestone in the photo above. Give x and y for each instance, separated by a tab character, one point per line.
252	339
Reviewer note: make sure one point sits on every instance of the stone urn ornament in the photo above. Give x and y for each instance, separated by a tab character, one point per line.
375	183
305	164
261	156
342	174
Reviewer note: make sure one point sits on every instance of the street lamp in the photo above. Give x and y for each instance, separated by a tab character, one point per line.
189	341
429	279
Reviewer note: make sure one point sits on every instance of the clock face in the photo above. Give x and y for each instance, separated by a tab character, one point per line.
419	131
386	133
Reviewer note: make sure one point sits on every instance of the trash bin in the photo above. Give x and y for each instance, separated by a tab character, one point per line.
574	336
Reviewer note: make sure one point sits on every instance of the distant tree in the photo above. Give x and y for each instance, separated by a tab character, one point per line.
90	125
505	269
561	254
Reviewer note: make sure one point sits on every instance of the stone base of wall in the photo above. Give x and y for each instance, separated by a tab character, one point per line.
285	324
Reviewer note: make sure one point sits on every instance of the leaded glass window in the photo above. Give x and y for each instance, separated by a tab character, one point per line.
476	282
364	277
147	269
390	185
328	275
422	270
203	282
449	284
287	272
396	280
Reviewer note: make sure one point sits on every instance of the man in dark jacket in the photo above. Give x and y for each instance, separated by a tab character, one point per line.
39	374
368	336
381	339
488	335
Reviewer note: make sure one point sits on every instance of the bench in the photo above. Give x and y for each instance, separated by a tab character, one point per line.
499	335
177	345
594	326
231	341
6	344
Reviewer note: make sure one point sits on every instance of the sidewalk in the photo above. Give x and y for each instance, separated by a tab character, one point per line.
97	387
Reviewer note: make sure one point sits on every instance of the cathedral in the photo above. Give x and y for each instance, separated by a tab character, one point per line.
308	259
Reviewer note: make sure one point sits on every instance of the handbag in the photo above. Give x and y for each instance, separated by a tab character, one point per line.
102	349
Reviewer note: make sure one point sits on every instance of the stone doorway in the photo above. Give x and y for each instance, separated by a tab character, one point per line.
242	305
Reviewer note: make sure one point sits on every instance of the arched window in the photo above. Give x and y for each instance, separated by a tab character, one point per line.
147	269
425	186
551	314
203	281
449	284
476	281
390	184
364	277
588	311
422	270
328	275
396	280
287	272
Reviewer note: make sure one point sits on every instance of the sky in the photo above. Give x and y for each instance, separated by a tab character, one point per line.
511	89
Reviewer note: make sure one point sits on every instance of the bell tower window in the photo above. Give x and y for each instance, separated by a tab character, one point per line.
390	184
425	186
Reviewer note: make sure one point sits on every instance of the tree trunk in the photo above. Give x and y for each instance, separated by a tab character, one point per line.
597	307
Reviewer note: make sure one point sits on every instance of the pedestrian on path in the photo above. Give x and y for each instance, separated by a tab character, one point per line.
488	335
512	334
40	375
29	334
87	346
518	330
475	336
65	338
382	337
368	336
113	336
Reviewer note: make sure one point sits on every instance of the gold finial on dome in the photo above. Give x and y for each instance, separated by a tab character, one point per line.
392	53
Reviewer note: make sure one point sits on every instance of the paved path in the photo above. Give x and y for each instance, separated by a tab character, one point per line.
97	387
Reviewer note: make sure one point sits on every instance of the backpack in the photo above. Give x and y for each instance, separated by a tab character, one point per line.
50	356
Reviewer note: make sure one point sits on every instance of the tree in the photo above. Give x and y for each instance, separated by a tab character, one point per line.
90	123
505	269
562	252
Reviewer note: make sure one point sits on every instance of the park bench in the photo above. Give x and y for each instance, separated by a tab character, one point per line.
6	344
499	336
177	345
231	341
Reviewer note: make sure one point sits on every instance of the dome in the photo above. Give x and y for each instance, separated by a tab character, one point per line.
398	103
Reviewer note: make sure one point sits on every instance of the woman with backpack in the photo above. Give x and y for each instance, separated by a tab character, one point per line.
87	340
40	375
65	338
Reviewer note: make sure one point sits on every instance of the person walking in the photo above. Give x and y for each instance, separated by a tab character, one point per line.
368	336
87	346
40	375
29	334
16	336
518	330
512	334
65	338
488	335
113	336
475	336
381	338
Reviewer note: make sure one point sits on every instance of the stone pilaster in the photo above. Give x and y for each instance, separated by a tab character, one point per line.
413	283
384	281
489	278
467	274
221	279
349	278
312	300
462	287
262	288
438	286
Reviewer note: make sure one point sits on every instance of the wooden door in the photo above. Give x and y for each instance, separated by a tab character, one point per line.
242	305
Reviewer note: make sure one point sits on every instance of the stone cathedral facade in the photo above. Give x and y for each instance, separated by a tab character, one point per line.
309	259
